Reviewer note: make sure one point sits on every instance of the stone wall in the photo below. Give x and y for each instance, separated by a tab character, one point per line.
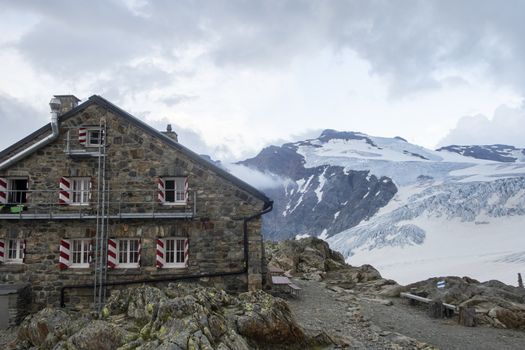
135	159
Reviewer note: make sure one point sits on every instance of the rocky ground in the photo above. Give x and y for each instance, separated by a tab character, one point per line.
339	306
357	304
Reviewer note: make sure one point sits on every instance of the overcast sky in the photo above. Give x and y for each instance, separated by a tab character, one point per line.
235	76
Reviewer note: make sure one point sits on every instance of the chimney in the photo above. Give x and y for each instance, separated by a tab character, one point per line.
170	133
67	103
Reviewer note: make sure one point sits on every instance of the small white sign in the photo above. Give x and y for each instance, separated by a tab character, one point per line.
441	284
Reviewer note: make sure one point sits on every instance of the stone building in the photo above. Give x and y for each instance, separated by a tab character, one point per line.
98	200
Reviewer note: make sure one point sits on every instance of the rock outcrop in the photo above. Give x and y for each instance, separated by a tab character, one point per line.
180	316
496	303
312	259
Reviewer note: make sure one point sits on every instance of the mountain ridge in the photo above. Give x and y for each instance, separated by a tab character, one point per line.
345	187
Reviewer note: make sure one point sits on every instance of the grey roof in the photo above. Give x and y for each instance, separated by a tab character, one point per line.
95	99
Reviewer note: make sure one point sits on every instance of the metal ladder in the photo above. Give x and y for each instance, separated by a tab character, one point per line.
102	223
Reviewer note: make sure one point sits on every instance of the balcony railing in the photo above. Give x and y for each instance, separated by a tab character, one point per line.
116	204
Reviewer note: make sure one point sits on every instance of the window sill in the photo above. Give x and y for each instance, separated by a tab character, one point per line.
173	266
79	266
171	204
127	266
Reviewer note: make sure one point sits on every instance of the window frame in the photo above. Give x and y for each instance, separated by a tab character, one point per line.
128	252
89	137
19	251
85	252
175	190
11	194
84	193
175	252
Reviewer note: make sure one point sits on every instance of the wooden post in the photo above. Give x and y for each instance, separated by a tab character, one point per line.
467	316
520	281
436	309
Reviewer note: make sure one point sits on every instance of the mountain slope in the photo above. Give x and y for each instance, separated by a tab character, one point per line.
376	199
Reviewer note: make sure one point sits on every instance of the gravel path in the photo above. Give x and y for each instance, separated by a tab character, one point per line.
365	323
340	316
445	334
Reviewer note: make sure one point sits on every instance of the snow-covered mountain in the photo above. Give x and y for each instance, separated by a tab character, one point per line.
499	153
410	211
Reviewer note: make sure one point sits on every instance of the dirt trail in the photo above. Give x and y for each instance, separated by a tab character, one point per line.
367	324
445	334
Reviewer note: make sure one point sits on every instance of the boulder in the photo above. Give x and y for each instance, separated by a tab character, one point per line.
48	327
268	321
98	335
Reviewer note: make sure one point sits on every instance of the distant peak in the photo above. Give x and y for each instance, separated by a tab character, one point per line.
330	134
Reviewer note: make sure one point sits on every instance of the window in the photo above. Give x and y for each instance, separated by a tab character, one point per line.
80	190
74	190
175	252
13	191
95	137
80	252
128	252
15	251
173	190
172	252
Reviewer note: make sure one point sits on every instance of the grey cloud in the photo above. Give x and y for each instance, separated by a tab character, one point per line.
176	99
187	137
129	80
505	127
408	42
20	119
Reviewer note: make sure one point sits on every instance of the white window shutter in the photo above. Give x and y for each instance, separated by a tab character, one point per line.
161	253
65	193
112	253
2	251
82	136
65	258
3	191
161	186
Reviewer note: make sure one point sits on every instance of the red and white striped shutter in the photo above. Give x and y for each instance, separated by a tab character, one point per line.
91	251
112	253
186	251
161	186
64	195
2	251
140	252
82	136
3	191
186	194
23	249
161	253
65	258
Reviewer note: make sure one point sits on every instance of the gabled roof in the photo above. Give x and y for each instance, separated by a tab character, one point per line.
95	99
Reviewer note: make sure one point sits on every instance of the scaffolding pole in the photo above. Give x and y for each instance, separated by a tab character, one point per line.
102	225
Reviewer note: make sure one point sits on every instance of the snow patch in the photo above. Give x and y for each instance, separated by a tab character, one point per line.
323	235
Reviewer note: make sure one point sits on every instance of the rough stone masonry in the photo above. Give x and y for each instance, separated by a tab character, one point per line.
136	156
